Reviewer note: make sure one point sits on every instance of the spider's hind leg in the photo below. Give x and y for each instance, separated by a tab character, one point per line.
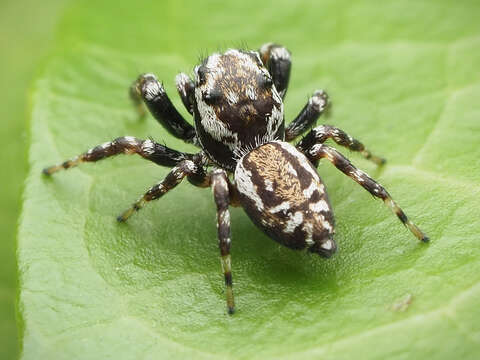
320	151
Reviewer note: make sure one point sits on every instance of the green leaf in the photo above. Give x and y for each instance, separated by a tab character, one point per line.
403	78
17	67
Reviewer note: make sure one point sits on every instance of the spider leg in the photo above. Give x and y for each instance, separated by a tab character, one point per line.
186	90
148	149
151	91
321	133
190	168
310	113
319	151
220	187
277	60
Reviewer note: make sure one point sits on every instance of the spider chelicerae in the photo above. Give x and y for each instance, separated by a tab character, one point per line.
236	99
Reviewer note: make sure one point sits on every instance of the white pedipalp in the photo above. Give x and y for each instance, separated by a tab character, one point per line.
181	80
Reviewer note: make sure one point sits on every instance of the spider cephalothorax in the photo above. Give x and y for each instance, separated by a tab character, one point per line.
236	100
236	106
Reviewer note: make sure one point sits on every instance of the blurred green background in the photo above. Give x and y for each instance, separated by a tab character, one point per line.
26	29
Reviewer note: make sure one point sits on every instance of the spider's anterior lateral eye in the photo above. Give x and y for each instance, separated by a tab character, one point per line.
201	72
266	80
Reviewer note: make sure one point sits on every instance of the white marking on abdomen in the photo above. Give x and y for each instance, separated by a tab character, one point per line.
322	205
282	207
294	221
311	188
246	186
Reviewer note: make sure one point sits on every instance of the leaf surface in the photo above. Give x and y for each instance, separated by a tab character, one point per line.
403	79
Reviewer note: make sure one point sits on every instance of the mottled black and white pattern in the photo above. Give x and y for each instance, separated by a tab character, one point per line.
237	107
236	99
282	193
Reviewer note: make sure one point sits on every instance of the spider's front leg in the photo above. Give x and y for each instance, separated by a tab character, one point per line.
310	113
151	91
276	59
322	133
148	149
221	193
319	151
191	168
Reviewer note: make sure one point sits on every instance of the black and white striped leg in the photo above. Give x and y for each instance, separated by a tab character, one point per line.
322	133
320	151
277	60
221	195
310	113
148	149
148	88
186	90
174	177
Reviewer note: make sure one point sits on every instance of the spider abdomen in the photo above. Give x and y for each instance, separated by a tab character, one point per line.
283	195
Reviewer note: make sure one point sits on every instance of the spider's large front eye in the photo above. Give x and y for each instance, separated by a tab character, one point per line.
211	97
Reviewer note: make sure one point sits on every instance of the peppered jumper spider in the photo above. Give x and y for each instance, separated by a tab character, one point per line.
236	100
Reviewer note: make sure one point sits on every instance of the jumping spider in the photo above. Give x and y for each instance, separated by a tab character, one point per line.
236	100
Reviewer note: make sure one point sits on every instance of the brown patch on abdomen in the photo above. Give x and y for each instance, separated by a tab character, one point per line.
273	163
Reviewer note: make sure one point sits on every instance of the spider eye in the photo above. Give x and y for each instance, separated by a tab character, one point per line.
267	80
201	73
211	97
